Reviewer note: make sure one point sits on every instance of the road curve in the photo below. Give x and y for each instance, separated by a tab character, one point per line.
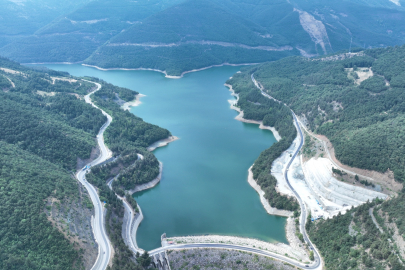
315	265
302	205
303	217
104	248
129	222
317	262
98	224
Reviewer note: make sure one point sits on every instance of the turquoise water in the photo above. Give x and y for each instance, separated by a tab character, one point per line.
204	188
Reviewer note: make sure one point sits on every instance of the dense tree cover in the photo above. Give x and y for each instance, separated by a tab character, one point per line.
375	84
196	20
91	30
261	173
145	260
127	131
72	37
106	171
257	107
57	128
131	170
28	239
44	130
177	59
27	18
127	136
352	240
123	257
4	83
114	93
46	127
364	122
141	171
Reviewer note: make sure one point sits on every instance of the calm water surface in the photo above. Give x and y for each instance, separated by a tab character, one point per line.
204	187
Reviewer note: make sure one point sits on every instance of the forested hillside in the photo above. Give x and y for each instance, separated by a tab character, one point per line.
26	17
47	132
197	34
45	129
355	241
257	107
357	102
127	136
28	240
46	118
77	34
182	35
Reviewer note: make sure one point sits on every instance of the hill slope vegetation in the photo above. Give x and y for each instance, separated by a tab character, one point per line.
361	115
178	36
48	132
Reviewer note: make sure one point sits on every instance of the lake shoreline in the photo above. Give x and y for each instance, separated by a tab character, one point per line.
162	143
138	219
239	117
289	227
136	102
270	227
270	210
149	184
163	71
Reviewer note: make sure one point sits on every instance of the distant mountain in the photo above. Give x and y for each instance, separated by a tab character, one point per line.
177	36
366	24
19	18
26	16
194	34
75	36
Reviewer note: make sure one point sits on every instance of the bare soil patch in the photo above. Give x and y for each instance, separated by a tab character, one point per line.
7	70
95	152
62	79
386	180
359	75
49	94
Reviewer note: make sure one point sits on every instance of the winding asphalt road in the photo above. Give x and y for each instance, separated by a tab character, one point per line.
98	224
104	248
302	205
303	208
315	265
317	262
128	225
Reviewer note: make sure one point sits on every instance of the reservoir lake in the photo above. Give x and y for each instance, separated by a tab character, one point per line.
204	188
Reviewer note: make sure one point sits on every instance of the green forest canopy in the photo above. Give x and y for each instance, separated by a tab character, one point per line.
46	127
109	33
364	122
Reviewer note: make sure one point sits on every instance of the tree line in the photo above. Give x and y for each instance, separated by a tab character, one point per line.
257	107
